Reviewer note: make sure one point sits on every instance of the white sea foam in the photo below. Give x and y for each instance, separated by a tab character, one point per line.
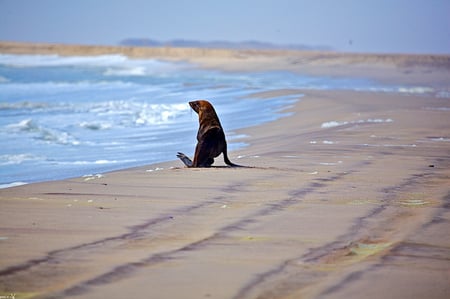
50	88
396	89
23	105
116	64
327	163
17	159
415	90
96	162
331	163
56	60
332	124
40	60
156	169
53	136
13	184
131	71
41	133
105	115
24	125
89	177
159	113
441	139
388	145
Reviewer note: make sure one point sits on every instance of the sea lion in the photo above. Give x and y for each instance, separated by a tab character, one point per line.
210	137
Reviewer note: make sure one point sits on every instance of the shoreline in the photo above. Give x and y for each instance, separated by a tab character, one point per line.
398	68
348	195
10	47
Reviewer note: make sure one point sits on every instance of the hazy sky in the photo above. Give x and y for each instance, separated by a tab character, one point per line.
415	26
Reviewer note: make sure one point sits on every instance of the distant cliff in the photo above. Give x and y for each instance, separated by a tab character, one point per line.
244	45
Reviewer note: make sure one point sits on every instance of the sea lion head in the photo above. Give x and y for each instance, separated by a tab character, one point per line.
200	105
207	116
204	110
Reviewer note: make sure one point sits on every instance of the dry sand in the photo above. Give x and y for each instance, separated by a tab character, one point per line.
359	210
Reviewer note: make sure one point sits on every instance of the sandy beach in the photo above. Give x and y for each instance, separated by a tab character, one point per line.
347	197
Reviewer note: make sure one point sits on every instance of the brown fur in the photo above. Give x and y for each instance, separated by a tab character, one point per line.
210	137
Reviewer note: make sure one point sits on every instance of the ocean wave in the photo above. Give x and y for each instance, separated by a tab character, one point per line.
134	113
61	87
131	71
23	105
41	133
160	113
107	115
63	138
14	159
26	125
116	64
56	60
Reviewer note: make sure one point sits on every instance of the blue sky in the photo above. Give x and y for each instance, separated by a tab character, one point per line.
401	26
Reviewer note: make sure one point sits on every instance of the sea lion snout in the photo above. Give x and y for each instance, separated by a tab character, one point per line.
194	105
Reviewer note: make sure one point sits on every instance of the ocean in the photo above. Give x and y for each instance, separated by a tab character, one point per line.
63	117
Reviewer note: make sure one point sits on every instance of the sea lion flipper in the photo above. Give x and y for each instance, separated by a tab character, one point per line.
185	159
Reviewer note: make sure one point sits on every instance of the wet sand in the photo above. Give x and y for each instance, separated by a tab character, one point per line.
348	197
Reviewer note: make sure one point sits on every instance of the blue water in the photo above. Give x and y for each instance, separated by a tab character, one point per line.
64	117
